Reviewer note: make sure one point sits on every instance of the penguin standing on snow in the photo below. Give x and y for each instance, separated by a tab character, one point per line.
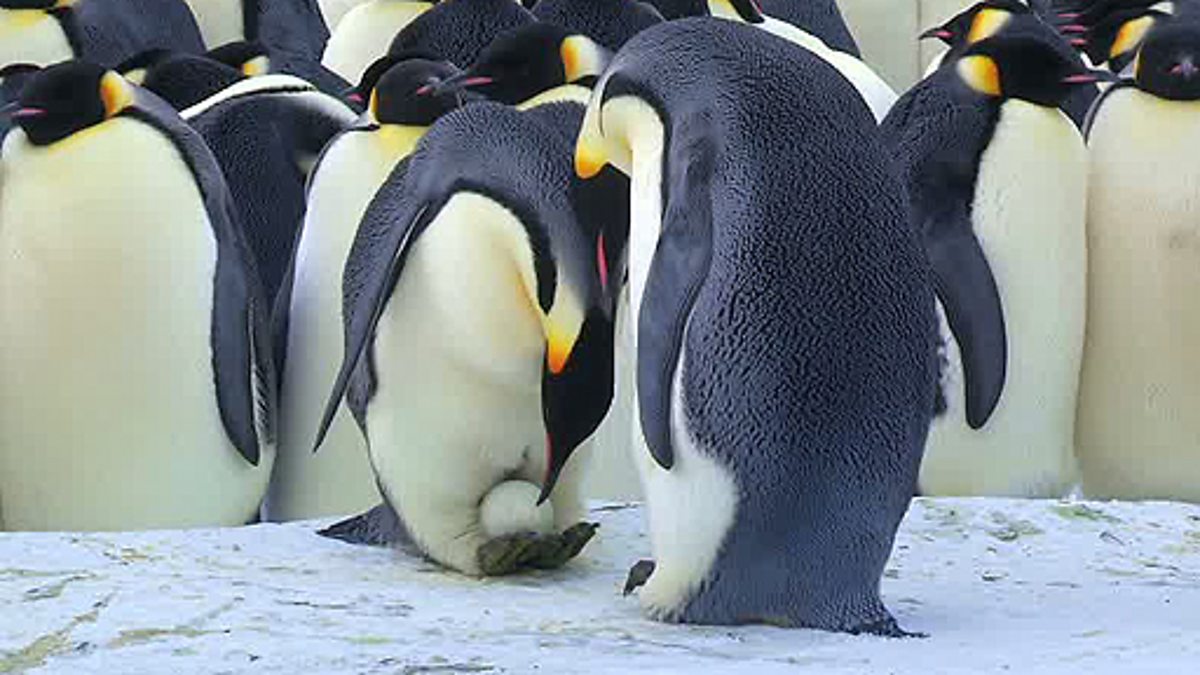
338	480
267	132
997	182
162	416
1137	428
107	32
611	23
365	34
785	337
473	305
459	30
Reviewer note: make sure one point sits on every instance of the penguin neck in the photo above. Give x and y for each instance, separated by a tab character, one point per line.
400	139
566	92
33	36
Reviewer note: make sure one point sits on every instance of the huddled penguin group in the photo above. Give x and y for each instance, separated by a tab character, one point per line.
425	265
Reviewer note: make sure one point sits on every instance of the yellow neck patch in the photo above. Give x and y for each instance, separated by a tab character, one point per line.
1130	35
981	74
116	93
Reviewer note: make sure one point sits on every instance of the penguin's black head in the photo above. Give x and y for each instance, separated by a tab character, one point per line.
358	95
978	22
408	93
532	59
1168	62
249	57
1024	67
69	97
1115	36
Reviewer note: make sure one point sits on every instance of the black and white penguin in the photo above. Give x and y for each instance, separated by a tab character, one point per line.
874	91
338	480
991	17
108	32
786	333
459	30
1114	31
997	181
473	304
162	416
266	133
1137	428
610	23
182	80
365	34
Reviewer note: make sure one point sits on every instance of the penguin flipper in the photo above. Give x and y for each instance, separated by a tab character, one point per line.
392	222
968	292
381	526
677	271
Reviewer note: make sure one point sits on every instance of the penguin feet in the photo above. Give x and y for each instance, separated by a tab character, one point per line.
525	550
639	574
885	627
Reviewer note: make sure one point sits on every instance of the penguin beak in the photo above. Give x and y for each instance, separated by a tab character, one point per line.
1186	68
937	33
27	113
459	82
1089	77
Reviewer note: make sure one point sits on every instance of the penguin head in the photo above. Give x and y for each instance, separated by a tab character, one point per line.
978	22
532	59
358	95
1168	62
407	93
1023	67
248	57
746	11
1115	36
69	97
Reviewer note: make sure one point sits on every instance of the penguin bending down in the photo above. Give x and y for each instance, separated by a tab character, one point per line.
161	414
475	341
610	23
267	132
997	182
1114	32
992	17
366	33
459	30
786	334
875	92
338	480
1137	429
107	32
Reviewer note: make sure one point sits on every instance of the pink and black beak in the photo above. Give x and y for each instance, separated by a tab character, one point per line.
938	33
1087	77
460	82
1185	68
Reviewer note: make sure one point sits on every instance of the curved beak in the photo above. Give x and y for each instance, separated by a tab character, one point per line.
27	113
459	82
937	33
1089	77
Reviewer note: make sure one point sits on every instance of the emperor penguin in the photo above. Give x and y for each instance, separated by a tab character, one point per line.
44	32
366	33
266	132
874	91
785	328
1113	32
338	480
986	19
459	30
997	181
610	23
544	65
161	415
475	341
1137	428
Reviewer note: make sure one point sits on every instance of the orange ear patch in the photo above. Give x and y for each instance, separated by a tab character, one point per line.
116	93
981	74
987	23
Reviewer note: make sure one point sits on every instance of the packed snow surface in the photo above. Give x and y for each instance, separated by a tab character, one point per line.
999	586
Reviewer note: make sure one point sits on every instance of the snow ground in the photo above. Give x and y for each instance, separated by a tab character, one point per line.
1000	586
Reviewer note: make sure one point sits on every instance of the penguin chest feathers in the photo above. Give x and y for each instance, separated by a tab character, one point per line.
32	36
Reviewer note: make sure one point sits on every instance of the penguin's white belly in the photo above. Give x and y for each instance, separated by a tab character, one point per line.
32	36
1029	217
220	21
365	33
692	506
1139	410
338	479
458	359
108	410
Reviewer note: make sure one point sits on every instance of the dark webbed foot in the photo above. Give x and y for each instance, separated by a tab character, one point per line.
886	627
515	552
639	574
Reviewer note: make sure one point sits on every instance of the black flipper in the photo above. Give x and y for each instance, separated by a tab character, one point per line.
243	367
969	295
381	526
391	224
678	270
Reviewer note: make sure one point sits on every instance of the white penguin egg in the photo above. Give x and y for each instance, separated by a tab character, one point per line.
511	507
